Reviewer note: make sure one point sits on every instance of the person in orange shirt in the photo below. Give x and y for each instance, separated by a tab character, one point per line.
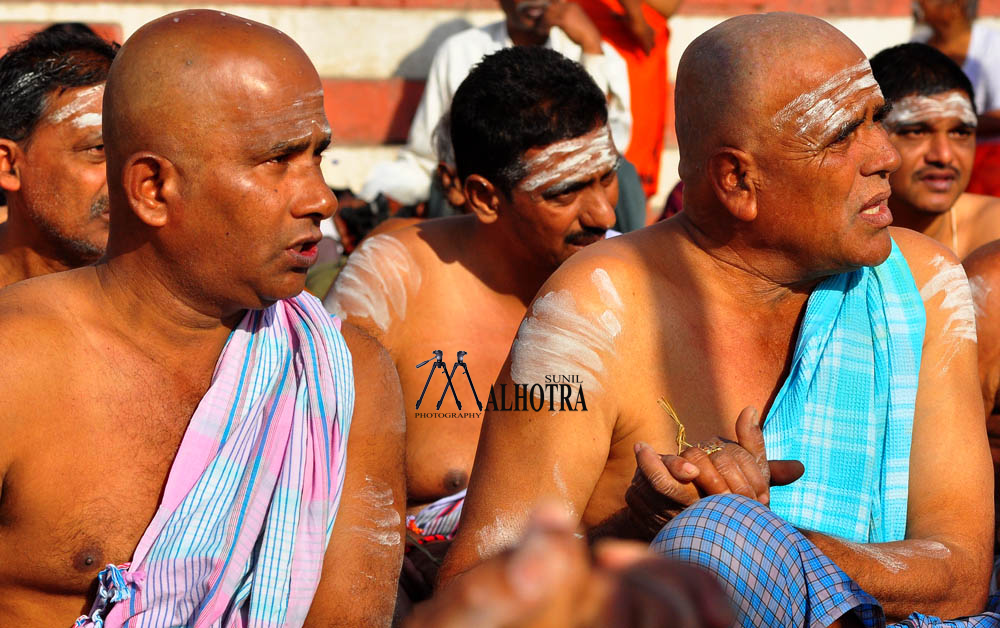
638	31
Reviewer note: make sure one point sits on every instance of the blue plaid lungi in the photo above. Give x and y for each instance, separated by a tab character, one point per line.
773	574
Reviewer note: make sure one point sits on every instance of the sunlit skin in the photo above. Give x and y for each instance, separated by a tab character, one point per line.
711	302
477	275
56	190
214	126
937	153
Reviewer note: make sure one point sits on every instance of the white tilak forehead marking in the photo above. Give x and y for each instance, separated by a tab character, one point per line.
822	110
82	99
378	276
914	109
558	339
87	120
584	156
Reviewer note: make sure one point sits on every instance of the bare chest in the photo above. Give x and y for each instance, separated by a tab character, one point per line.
85	484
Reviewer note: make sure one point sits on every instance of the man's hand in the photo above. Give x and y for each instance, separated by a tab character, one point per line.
664	485
569	17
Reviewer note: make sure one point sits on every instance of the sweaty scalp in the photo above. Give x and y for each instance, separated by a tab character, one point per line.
177	77
736	75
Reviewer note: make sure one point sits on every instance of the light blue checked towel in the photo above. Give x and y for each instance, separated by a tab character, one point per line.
846	409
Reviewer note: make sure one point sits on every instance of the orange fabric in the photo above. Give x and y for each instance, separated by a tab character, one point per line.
647	76
986	170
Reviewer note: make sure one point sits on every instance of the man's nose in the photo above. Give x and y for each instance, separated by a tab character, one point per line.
884	159
940	150
317	199
599	206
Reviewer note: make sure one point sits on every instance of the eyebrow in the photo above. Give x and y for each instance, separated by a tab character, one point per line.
297	145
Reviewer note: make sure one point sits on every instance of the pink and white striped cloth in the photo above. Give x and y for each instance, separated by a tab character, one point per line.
250	502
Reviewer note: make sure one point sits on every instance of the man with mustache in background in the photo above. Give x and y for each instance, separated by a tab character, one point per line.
539	173
933	126
52	154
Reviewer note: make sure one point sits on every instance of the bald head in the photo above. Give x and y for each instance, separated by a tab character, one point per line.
180	77
214	127
735	78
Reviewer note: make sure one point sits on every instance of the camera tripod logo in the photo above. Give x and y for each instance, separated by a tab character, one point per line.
450	385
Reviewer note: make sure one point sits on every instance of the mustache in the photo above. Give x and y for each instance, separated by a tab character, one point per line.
936	169
99	207
587	235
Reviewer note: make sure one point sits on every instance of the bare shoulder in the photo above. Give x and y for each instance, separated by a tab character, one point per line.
979	216
605	274
984	262
925	256
373	367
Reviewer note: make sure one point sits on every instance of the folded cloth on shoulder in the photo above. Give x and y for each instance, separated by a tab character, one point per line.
250	501
846	409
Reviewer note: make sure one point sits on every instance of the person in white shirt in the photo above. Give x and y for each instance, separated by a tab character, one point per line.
559	25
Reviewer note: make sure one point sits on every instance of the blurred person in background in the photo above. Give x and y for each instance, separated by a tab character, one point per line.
52	152
933	126
953	29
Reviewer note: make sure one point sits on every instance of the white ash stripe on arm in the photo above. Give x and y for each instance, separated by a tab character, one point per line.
385	521
378	276
557	339
951	282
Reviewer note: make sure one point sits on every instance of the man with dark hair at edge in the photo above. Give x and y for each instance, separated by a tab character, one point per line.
534	154
52	153
184	438
933	126
953	28
795	338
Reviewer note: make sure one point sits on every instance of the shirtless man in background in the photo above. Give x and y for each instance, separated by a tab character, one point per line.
52	154
121	423
933	126
752	298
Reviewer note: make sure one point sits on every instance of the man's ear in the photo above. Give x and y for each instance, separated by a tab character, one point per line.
149	181
10	158
451	185
731	172
482	197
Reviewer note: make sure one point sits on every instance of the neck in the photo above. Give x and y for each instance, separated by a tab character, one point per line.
145	308
22	254
932	225
502	263
751	280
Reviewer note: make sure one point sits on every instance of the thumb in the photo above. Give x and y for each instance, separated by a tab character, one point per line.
785	471
749	436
